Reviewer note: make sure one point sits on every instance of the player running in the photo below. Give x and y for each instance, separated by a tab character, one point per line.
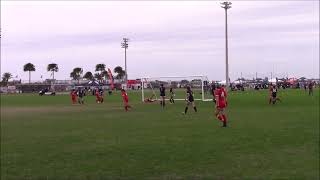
73	96
101	94
162	96
221	104
171	95
213	89
270	93
81	95
274	91
190	100
97	96
310	87
125	99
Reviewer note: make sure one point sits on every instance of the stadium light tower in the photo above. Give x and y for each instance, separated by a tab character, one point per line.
125	45
226	5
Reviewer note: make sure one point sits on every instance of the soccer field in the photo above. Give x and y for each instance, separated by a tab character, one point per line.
47	137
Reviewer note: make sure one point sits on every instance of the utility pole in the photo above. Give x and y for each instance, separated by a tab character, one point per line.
226	5
124	45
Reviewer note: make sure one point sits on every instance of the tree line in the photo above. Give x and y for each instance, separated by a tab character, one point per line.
76	73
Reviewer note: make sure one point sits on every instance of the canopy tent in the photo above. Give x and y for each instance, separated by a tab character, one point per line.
222	82
238	82
93	83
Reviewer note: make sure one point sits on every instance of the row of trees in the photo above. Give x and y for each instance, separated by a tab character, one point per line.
101	73
76	74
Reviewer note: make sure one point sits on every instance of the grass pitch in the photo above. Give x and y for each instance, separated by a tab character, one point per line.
48	138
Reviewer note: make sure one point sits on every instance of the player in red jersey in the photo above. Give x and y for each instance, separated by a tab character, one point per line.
73	96
98	100
125	99
221	104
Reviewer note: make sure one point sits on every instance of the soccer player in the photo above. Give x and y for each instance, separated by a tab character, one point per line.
81	95
73	96
190	100
213	89
310	87
125	99
162	96
150	99
97	96
101	94
171	95
270	93
221	104
274	91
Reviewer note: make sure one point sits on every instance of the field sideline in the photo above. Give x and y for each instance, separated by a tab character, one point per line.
47	137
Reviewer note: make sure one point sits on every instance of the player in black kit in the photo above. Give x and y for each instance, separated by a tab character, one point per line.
81	95
190	100
162	96
274	91
171	95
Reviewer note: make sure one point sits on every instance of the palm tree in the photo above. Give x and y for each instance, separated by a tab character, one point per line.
120	72
5	77
29	67
53	67
98	76
73	75
100	68
88	75
76	73
104	74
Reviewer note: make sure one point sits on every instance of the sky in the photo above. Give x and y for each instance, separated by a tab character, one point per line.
178	38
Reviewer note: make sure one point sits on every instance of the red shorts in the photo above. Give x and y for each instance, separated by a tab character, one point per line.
222	105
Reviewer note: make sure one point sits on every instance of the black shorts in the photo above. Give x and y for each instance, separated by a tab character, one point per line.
190	99
274	95
162	95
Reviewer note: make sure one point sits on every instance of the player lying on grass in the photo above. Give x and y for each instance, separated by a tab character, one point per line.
125	99
150	99
190	100
221	104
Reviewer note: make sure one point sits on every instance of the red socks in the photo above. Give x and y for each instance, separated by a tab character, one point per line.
224	118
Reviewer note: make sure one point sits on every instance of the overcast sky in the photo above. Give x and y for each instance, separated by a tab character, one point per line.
166	38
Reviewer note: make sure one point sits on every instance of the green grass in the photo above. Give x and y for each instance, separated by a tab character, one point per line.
47	137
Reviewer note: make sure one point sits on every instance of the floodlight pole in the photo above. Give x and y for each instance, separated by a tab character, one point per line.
226	5
124	45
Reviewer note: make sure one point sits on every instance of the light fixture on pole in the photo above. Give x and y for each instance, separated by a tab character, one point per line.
124	45
226	6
